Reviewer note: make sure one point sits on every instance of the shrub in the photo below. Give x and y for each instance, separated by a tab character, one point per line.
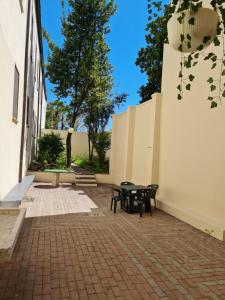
102	145
50	147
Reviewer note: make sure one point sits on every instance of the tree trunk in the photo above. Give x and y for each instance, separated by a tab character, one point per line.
68	150
92	151
62	123
89	146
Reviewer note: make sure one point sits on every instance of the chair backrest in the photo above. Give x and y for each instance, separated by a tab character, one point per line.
154	188
126	183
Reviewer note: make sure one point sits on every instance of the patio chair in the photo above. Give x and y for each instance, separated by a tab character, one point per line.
126	197
144	201
117	197
154	188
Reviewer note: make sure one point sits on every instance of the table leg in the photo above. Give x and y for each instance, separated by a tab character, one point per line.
57	179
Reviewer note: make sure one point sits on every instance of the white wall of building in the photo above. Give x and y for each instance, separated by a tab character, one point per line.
13	23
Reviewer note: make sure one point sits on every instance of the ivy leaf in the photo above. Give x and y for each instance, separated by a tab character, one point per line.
191	77
224	62
195	63
180	19
210	80
188	37
189	45
216	41
206	39
196	55
180	75
210	98
179	97
180	48
213	104
214	58
200	47
223	73
179	87
192	21
182	37
214	65
188	87
209	56
223	95
212	87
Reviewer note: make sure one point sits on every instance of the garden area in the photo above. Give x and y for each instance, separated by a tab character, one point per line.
52	155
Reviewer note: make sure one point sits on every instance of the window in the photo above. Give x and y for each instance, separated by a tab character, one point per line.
16	94
21	5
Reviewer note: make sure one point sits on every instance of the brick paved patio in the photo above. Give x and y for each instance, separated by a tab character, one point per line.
105	256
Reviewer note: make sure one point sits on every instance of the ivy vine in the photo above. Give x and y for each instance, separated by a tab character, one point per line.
189	61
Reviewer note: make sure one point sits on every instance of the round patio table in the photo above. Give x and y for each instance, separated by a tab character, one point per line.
56	172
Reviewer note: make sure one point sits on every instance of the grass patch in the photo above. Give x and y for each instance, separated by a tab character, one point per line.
93	166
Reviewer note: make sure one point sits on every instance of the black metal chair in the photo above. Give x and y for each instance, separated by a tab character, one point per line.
153	188
144	201
117	196
127	197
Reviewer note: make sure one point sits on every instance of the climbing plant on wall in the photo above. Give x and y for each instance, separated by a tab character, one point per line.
191	28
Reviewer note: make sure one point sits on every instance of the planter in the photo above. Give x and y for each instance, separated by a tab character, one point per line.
205	25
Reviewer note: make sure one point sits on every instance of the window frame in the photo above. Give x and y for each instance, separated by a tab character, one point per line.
16	90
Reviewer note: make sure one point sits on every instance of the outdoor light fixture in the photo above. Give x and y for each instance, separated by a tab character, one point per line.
71	130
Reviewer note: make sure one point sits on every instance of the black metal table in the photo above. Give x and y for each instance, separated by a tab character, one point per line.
129	193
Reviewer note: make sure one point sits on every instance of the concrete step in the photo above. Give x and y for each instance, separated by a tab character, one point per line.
85	180
86	184
84	176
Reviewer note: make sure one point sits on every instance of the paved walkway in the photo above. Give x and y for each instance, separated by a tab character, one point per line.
107	256
49	201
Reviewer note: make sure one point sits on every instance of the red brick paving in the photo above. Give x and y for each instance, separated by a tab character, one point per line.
107	256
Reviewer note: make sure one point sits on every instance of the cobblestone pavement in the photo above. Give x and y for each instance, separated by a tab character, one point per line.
107	256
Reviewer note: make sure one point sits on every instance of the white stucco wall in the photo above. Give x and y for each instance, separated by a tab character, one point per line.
12	52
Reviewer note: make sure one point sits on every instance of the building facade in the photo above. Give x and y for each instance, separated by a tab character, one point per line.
22	89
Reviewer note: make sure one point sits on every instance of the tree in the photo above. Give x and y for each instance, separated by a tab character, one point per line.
71	67
97	117
58	115
150	58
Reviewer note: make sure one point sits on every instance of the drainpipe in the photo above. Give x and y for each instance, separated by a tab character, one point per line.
24	93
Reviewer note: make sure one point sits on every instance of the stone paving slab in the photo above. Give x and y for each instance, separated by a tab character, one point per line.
51	201
107	256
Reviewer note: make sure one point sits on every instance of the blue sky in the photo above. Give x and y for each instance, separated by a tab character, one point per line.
125	40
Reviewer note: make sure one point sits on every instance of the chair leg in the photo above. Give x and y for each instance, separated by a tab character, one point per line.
141	209
150	208
155	203
115	203
121	204
111	203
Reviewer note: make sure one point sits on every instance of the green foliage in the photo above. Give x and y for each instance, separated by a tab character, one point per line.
72	67
102	145
83	162
50	147
60	163
58	115
150	58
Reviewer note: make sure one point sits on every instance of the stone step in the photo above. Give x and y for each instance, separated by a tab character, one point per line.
85	180
86	184
78	176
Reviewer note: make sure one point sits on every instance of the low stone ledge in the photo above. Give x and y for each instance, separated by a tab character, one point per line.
7	245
